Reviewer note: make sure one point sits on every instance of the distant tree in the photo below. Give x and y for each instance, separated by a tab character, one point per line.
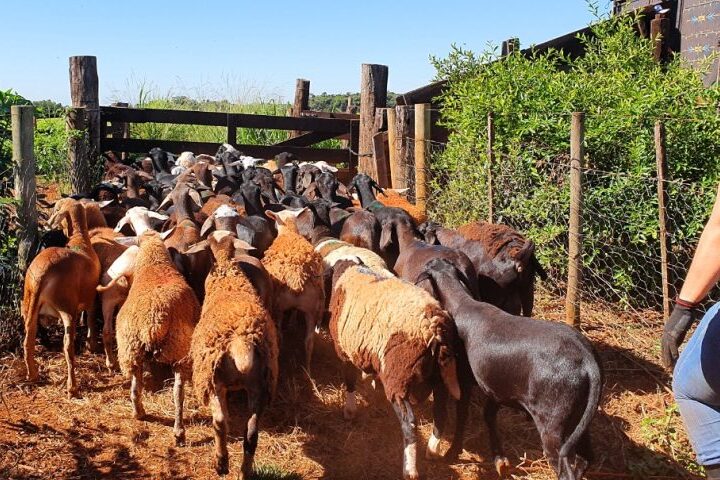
337	102
48	109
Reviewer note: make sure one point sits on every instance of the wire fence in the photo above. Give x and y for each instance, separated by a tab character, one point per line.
621	261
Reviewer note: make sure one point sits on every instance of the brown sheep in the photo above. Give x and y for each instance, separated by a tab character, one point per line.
234	347
297	274
156	322
60	282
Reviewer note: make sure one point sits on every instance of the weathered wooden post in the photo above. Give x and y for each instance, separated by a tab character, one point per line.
373	94
302	101
78	149
662	195
22	118
349	108
509	46
404	131
84	93
577	155
490	164
395	167
422	135
659	34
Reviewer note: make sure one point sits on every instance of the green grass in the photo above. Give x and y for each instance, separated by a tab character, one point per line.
271	472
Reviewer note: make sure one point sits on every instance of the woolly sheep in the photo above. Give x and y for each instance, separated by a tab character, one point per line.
234	347
156	322
392	329
297	272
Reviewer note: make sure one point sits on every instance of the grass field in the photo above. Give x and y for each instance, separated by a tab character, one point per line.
636	434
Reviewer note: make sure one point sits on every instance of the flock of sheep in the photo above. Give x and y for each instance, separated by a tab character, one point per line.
240	249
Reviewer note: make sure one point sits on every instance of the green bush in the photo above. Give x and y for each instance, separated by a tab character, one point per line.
623	91
51	143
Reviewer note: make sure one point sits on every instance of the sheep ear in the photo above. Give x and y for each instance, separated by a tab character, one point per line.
127	241
198	247
525	252
245	234
207	225
306	180
196	197
242	245
167	233
105	203
386	236
424	276
400	191
166	201
274	216
157	215
123	221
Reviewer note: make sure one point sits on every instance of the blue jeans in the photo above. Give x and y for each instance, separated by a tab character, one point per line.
696	385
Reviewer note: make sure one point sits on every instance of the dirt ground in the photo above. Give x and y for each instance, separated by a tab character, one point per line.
636	434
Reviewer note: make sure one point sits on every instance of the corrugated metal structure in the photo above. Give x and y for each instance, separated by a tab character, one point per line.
699	24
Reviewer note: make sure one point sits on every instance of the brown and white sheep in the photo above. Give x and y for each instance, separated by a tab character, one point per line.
156	322
390	328
296	270
234	347
60	283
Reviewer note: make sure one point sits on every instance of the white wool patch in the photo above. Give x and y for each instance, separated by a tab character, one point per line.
327	242
229	147
325	167
410	461
177	170
225	211
186	159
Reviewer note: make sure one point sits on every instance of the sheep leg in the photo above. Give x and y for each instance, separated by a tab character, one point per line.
178	398
69	351
440	397
404	412
136	388
462	408
219	408
31	327
502	465
311	321
107	335
256	404
91	341
350	409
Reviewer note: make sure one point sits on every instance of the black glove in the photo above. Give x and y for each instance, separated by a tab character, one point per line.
676	327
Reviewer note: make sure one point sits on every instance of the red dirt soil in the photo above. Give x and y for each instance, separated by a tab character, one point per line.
636	434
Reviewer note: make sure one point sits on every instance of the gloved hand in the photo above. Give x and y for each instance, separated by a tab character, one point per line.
676	327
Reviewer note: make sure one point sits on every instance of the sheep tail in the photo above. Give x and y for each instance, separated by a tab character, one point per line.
447	360
595	378
244	355
538	267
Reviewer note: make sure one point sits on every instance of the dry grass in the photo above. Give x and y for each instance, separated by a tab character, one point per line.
637	434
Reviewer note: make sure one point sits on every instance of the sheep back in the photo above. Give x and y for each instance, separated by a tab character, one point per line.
384	325
494	237
232	312
160	312
333	250
292	263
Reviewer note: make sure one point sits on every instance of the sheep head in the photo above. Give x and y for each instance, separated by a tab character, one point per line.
286	219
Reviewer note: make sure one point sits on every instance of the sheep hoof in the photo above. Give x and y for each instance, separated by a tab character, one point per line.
221	465
32	376
139	414
180	438
502	466
73	393
432	451
246	472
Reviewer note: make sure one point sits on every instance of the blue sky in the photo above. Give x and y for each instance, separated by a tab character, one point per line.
241	49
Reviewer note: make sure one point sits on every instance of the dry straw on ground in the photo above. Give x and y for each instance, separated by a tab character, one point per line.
637	433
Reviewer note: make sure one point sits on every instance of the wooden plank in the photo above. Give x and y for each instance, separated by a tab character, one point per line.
22	118
373	94
343	115
422	134
382	158
575	228
662	196
404	131
395	167
306	139
354	142
219	119
136	145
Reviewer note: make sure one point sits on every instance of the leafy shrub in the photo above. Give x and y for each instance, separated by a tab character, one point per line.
623	92
51	143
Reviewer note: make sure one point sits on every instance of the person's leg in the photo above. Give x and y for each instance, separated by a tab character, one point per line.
697	389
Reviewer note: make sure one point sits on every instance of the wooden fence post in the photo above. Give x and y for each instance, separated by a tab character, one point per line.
373	94
661	161
404	128
395	167
422	134
78	149
84	93
302	101
22	118
659	33
120	129
577	155
349	108
490	164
